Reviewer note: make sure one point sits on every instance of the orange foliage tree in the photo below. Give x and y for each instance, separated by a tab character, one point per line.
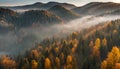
69	61
97	42
7	63
47	64
104	42
34	64
112	58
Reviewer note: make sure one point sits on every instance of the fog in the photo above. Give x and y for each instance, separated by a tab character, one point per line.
24	10
23	40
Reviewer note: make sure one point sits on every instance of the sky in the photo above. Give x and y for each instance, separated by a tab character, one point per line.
75	2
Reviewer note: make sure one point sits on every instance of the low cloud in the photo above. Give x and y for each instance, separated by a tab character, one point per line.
24	39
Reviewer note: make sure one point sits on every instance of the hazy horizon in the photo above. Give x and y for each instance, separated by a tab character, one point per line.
75	2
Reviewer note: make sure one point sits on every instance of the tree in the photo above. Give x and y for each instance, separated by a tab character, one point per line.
117	66
47	64
69	62
96	51
62	56
104	64
74	35
34	64
57	62
104	49
97	42
56	50
112	58
104	42
7	63
34	54
69	59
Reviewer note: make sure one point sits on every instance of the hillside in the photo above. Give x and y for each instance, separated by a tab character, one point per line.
56	14
7	14
42	6
28	18
57	35
88	49
97	8
63	13
38	17
6	20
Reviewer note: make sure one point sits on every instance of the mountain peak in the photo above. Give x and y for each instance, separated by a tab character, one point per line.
52	2
38	3
65	5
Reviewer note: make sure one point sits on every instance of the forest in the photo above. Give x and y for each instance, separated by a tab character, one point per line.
56	35
94	48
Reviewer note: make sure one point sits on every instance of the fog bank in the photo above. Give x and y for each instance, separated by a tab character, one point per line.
24	39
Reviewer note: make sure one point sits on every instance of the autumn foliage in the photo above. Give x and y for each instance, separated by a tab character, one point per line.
94	48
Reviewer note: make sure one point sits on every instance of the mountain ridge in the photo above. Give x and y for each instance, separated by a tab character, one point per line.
43	6
64	13
95	7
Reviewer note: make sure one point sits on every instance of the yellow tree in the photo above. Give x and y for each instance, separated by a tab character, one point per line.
69	59
34	64
69	62
97	43
74	34
95	51
75	42
113	58
56	50
57	62
104	64
104	42
34	53
73	50
47	64
7	63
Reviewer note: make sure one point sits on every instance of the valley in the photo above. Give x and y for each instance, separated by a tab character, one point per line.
57	35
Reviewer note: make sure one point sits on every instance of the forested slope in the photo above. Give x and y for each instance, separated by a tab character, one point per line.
93	48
